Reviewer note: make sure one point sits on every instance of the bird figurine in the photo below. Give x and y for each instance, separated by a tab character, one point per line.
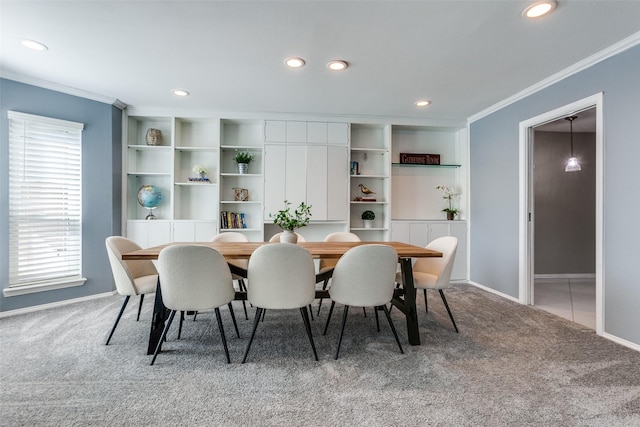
365	190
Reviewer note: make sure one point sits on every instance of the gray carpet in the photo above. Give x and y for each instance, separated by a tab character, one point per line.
510	365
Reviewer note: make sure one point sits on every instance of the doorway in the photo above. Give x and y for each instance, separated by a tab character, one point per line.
563	266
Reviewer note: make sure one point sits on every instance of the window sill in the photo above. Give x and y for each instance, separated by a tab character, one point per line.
32	289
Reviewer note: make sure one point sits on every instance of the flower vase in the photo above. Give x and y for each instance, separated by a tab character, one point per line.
368	223
450	216
202	175
288	236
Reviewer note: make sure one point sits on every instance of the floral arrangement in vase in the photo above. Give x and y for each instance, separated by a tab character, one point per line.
289	221
449	194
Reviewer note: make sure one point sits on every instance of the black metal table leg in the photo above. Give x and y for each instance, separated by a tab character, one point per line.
157	320
410	311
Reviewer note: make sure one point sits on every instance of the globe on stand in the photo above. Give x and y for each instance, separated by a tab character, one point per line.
149	197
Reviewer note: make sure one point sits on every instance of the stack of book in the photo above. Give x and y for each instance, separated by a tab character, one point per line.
232	220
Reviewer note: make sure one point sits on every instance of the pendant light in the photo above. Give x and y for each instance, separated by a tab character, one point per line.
572	163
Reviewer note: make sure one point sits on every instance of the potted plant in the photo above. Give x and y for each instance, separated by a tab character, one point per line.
200	170
448	195
243	158
289	221
368	217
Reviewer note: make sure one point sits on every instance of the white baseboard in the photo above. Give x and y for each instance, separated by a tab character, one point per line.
53	304
493	291
564	276
621	341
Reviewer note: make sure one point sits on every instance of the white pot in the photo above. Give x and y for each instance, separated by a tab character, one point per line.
368	223
243	168
288	237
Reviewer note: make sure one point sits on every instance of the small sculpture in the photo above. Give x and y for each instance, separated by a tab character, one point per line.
365	190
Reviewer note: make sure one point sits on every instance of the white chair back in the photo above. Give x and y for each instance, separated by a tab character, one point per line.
125	272
194	278
340	236
233	236
276	237
440	267
281	276
365	276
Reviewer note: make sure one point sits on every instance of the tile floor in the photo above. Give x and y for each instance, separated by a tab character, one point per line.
573	299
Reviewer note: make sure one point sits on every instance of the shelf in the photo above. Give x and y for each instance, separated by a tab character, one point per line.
183	148
369	176
404	165
248	202
241	174
148	174
194	184
368	229
240	229
370	150
242	147
149	147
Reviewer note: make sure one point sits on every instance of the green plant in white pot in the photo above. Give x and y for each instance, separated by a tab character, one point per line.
290	221
243	158
367	218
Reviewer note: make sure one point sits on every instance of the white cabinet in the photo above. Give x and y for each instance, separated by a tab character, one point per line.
149	233
420	233
333	133
316	175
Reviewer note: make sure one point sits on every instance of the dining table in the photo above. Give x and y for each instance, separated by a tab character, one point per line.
404	298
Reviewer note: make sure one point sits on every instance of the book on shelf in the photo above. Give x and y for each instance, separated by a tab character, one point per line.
230	220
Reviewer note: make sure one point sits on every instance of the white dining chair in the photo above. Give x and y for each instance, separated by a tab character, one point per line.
435	272
281	276
364	277
327	264
234	236
194	278
131	277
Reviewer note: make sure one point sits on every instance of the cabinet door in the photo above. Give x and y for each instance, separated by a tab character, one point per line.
296	175
297	132
183	231
437	230
275	131
274	178
204	231
459	230
338	133
317	132
317	182
337	183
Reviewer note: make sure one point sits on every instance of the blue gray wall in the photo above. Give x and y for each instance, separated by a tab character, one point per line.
494	178
101	178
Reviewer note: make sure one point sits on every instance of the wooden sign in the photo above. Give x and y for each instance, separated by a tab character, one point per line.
419	159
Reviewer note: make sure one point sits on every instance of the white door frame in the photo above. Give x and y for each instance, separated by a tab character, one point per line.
526	200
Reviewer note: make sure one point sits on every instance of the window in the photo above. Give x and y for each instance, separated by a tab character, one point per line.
45	203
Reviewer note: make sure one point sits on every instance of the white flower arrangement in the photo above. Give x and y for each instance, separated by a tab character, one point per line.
200	169
448	195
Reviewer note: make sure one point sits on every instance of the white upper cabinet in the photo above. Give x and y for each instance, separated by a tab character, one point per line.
298	132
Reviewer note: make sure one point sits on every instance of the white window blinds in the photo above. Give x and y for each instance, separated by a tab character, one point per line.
45	209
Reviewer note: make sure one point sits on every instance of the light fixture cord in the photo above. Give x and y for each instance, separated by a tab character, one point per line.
571	131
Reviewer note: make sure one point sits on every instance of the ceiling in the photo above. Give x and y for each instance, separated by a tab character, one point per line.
464	56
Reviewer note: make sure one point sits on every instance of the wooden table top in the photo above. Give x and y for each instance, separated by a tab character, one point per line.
243	250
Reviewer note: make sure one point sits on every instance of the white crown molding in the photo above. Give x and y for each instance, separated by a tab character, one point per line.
608	52
63	89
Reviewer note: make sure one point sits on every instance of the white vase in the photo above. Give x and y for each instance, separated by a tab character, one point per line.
288	236
368	223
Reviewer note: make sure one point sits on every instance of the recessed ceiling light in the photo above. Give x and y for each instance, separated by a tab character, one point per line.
294	62
539	8
337	65
423	103
32	44
180	92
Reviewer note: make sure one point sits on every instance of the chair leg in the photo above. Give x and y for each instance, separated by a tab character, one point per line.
264	312
195	314
180	327
221	329
444	300
344	321
326	326
375	310
324	286
243	287
253	332
163	336
233	318
426	307
311	312
307	326
140	307
364	310
393	329
124	304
